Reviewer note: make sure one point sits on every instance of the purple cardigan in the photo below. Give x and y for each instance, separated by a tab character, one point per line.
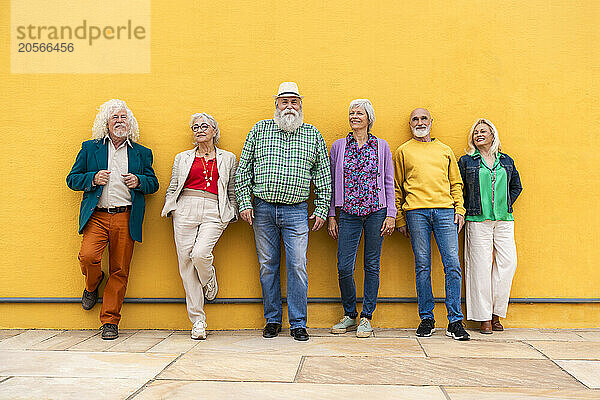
385	178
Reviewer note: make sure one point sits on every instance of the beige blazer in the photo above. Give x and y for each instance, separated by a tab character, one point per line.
226	165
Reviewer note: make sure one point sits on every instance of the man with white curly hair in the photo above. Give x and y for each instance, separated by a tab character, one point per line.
114	173
280	158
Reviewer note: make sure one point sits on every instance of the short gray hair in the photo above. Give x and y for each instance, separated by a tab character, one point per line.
366	105
494	148
211	120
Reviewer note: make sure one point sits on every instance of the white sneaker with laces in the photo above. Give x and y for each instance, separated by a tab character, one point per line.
211	289
199	330
364	329
346	324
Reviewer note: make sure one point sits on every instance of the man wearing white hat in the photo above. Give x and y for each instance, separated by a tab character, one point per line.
279	159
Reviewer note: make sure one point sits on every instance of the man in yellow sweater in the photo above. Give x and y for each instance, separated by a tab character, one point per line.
429	195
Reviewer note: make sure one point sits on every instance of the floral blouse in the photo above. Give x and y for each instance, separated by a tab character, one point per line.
361	194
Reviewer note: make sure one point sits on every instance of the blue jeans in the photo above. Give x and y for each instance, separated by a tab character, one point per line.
272	223
421	223
351	228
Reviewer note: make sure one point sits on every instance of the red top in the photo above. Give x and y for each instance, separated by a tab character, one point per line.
203	175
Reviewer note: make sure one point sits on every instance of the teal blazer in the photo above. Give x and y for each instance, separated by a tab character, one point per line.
93	157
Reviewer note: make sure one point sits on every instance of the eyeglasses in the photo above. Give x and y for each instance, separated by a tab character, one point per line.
200	128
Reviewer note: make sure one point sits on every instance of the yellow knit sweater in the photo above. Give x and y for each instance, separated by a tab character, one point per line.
427	176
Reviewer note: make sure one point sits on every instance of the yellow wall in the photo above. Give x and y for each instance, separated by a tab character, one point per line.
529	66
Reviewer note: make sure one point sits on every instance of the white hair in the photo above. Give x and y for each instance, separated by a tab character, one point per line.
494	148
105	111
288	120
211	120
366	105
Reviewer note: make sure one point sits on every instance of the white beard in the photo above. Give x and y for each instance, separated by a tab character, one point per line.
288	120
121	132
420	132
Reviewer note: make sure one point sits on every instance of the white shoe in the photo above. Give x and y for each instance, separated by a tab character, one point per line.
211	289
346	324
199	330
364	329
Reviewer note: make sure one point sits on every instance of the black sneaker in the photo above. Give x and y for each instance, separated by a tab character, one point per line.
110	331
271	330
299	334
426	327
457	331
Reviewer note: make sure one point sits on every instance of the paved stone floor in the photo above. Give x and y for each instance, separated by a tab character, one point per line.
394	364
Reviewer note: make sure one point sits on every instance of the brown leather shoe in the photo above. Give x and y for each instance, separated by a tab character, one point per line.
496	325
486	327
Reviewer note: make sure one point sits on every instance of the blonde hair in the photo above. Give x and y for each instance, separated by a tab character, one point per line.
494	148
105	111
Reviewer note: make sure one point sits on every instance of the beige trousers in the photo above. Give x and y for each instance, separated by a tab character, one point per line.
490	264
197	227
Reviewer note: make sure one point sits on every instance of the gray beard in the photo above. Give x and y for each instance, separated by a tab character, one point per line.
119	133
289	122
421	132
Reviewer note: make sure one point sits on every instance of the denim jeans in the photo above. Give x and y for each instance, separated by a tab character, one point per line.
421	223
351	228
273	223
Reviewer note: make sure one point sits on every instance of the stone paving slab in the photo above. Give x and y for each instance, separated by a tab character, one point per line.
140	342
589	350
64	340
587	372
404	333
68	364
178	342
96	343
589	335
234	366
317	346
6	333
528	335
461	393
277	391
394	363
27	388
27	339
435	371
447	347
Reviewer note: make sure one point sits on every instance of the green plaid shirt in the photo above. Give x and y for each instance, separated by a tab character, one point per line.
277	167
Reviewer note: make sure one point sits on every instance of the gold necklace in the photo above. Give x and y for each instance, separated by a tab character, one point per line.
208	174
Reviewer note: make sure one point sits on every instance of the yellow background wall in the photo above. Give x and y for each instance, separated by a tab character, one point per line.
529	66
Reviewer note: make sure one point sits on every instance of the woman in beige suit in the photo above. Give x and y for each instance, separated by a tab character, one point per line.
201	199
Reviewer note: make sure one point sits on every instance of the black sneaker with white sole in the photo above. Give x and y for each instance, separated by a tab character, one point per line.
426	327
457	331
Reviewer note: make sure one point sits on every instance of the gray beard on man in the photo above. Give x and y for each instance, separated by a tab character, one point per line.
120	132
288	120
420	132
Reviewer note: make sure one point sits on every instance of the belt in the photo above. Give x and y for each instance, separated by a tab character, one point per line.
114	210
199	193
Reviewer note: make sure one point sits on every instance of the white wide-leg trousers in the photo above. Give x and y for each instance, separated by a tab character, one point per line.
197	227
490	264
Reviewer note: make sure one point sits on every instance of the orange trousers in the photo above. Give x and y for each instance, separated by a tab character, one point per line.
113	230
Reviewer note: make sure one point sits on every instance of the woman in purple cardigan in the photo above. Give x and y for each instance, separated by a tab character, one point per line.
362	174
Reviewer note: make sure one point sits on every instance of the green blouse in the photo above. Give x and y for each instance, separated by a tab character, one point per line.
493	184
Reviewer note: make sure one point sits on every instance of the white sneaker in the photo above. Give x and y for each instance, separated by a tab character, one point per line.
211	289
364	329
346	324
199	330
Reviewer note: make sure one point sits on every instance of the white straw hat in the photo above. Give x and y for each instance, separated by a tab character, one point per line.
288	89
